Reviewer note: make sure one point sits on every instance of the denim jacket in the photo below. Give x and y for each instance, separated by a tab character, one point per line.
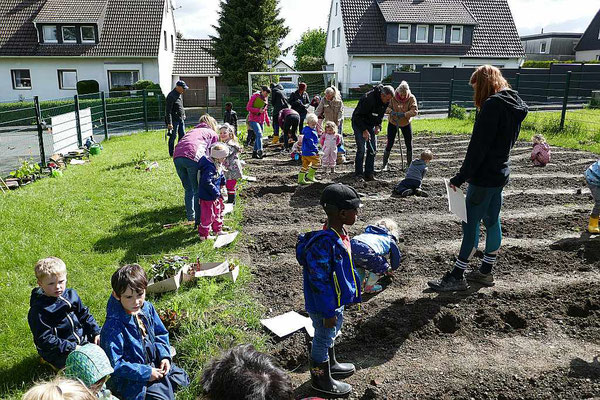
329	277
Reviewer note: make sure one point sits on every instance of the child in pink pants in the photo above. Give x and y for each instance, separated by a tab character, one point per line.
209	190
330	141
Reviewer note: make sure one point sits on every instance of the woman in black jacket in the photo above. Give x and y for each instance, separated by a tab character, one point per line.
486	169
300	101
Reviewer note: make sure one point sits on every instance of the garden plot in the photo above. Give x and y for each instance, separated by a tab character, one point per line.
534	335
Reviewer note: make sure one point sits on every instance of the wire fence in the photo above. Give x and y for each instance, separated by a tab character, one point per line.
33	130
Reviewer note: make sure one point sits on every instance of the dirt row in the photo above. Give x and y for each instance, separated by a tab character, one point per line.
534	335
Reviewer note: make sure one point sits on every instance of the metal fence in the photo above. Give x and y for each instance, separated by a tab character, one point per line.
26	131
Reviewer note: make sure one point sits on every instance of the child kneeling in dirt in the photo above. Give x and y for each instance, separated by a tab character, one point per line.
411	184
296	153
369	250
310	151
210	197
137	343
592	176
540	155
330	282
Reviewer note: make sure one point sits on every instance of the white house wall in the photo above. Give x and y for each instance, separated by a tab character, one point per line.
338	55
166	57
588	55
44	74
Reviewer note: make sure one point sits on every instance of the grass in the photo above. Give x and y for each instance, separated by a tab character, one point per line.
100	216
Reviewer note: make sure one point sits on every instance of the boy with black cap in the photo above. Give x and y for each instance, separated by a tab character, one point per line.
330	282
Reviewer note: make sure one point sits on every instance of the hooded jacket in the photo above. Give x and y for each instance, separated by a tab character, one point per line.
310	142
495	132
211	180
330	110
123	344
329	277
540	155
300	102
370	248
278	100
286	112
193	145
592	174
255	114
370	110
59	324
408	107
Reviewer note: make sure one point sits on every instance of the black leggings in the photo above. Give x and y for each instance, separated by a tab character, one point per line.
392	131
290	127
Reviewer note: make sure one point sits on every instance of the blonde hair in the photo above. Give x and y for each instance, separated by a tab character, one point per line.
50	266
333	90
487	80
208	120
403	88
59	389
312	119
332	125
539	138
390	225
427	155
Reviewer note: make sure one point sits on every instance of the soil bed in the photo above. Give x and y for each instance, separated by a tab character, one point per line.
535	334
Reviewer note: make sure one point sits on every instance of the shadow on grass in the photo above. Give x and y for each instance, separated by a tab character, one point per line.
128	164
23	375
143	234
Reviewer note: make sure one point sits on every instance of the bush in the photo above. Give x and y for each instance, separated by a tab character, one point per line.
594	103
548	64
457	112
146	85
87	87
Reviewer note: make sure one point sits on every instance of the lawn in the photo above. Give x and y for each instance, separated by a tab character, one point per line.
100	216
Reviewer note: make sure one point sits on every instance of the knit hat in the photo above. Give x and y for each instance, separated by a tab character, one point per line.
216	152
88	363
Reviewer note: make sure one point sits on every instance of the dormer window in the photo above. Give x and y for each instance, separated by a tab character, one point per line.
404	34
69	34
456	35
439	34
49	32
88	34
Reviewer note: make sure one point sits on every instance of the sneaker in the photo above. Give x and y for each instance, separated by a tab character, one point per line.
370	178
421	193
448	283
406	192
373	289
481	278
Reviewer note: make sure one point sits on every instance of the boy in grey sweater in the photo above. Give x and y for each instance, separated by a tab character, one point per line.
411	184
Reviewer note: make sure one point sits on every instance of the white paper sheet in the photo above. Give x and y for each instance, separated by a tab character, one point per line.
224	240
285	324
249	178
228	208
456	201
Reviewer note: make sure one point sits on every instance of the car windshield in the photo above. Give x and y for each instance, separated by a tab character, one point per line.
288	85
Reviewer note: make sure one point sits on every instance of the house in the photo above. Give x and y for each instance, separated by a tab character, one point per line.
282	66
550	46
47	46
198	68
368	39
588	48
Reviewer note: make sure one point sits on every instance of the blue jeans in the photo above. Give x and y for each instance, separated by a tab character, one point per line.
483	203
178	130
258	131
363	146
275	123
324	337
187	170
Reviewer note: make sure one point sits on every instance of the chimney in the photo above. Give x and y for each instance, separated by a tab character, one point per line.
542	30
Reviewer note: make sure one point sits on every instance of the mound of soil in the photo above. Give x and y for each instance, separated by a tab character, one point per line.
535	334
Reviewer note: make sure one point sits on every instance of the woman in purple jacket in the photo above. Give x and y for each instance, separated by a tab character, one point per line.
187	153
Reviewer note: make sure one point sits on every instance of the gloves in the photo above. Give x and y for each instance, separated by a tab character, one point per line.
399	114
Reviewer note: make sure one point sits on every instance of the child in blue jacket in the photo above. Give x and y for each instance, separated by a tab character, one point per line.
137	343
369	250
592	177
310	151
212	180
330	282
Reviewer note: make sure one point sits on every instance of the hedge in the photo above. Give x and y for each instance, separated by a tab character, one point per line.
118	109
548	64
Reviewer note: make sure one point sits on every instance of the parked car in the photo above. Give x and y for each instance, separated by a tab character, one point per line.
288	88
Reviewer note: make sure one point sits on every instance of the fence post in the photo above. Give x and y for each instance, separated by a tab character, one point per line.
565	101
40	129
78	121
104	116
451	95
517	79
158	101
145	103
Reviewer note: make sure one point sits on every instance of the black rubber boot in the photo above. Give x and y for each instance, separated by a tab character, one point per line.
339	370
321	381
386	158
254	154
231	198
259	154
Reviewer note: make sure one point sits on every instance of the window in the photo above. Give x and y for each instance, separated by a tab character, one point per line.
165	37
333	38
389	68
598	57
376	72
439	34
280	70
122	78
543	46
422	33
50	34
67	79
21	78
69	34
88	34
339	36
456	35
336	8
403	33
172	44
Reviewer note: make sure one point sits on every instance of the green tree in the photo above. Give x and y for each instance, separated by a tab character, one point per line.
248	34
309	52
